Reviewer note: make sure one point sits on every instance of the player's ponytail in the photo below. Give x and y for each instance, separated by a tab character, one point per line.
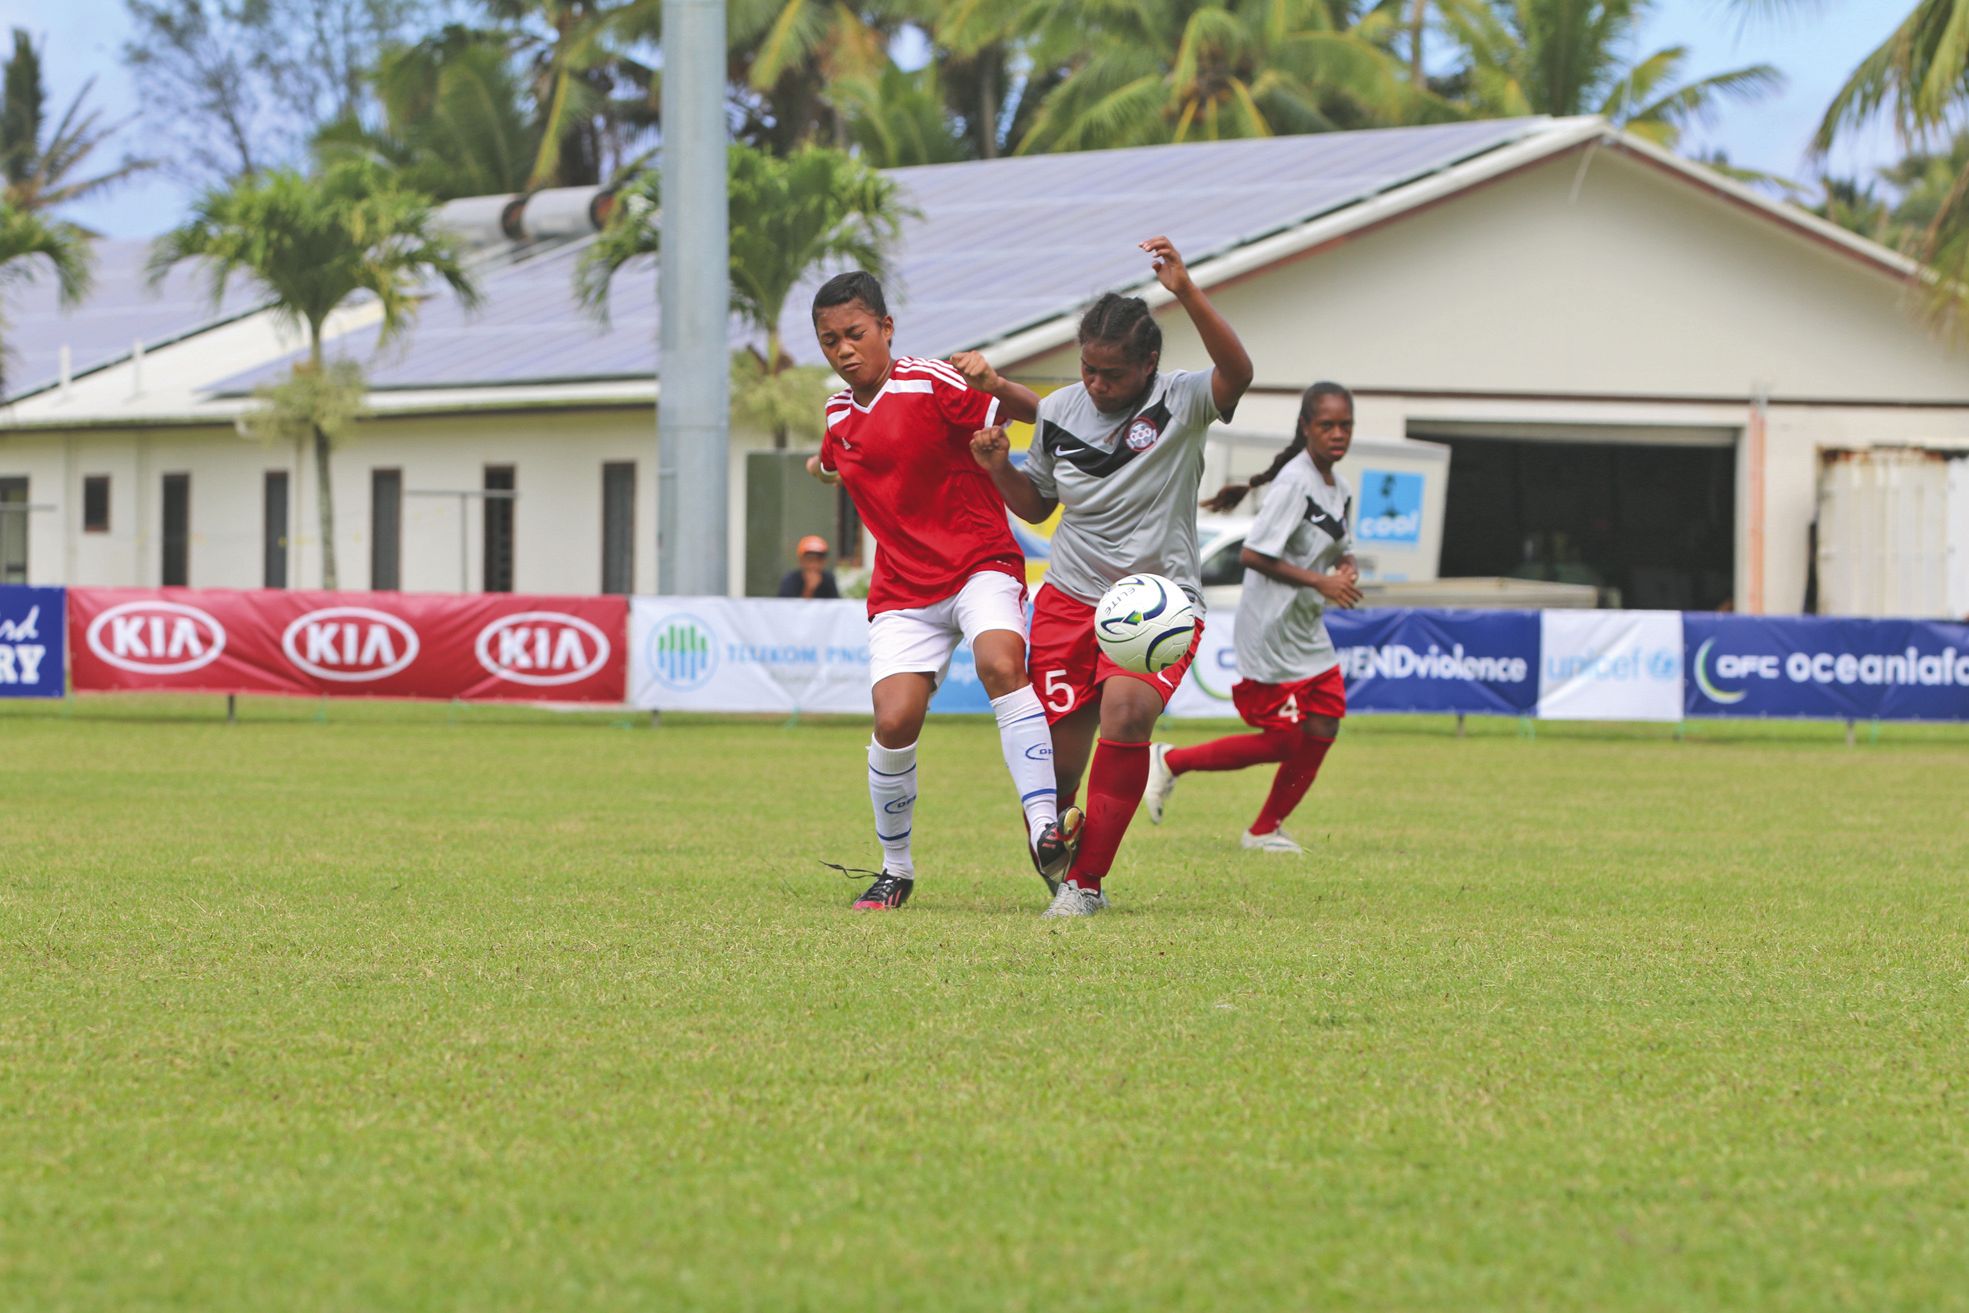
1228	496
1123	321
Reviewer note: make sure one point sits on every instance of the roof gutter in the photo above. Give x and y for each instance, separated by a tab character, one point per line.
1550	139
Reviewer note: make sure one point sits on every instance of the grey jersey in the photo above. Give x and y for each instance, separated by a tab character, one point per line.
1281	633
1128	481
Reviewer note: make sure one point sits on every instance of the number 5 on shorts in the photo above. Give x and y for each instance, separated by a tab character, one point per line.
1058	692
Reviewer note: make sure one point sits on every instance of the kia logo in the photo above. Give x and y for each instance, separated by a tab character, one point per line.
542	648
350	644
156	638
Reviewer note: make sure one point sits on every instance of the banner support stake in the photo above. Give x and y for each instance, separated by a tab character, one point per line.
1849	733
232	708
1459	724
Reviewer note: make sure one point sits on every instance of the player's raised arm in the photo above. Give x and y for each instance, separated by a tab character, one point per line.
1015	400
993	450
1232	371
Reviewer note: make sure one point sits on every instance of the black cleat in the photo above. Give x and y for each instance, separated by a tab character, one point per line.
889	891
1058	842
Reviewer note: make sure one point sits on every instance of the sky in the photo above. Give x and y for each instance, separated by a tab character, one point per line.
81	39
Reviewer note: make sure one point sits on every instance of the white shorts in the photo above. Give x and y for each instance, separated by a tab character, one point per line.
922	638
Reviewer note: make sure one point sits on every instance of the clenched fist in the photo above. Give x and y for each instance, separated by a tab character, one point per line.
991	448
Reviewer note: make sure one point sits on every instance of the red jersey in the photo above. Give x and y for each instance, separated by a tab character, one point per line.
905	459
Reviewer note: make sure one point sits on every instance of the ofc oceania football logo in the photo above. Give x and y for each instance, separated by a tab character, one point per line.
682	653
1142	435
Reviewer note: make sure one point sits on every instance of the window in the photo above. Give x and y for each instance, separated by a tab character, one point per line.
177	530
273	532
619	527
95	504
498	577
386	530
13	531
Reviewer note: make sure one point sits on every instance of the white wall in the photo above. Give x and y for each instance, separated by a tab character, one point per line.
557	459
1639	299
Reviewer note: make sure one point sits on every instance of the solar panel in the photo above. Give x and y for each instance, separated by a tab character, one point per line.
993	247
120	310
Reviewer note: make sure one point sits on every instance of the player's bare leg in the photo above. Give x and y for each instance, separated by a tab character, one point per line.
901	702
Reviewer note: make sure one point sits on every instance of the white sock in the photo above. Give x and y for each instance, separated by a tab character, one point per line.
1028	746
892	790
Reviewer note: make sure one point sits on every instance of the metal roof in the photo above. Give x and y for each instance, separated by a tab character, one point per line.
121	310
991	247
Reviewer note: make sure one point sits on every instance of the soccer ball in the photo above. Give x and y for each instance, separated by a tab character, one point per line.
1144	623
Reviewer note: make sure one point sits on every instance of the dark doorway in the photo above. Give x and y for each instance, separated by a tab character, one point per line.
1654	524
273	531
500	485
177	530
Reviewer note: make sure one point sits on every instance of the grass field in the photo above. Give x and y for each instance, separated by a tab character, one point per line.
415	1009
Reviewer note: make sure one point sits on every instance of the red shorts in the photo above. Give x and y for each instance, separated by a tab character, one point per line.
1067	665
1283	706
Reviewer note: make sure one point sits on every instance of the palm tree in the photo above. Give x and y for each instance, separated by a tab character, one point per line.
313	243
1920	77
786	53
789	216
1178	70
1564	57
455	121
996	60
897	118
40	163
28	240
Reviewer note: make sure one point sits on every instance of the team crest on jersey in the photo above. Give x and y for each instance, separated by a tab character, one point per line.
1142	434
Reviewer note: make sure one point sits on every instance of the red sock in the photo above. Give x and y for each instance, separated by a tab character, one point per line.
1234	752
1294	777
1114	790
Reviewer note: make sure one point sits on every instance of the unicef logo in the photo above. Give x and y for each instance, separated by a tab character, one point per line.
682	653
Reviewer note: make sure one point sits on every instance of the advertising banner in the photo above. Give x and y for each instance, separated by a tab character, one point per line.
1610	665
1820	667
474	647
748	654
767	654
1481	662
32	630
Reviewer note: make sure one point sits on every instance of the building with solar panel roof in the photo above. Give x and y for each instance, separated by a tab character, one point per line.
1576	358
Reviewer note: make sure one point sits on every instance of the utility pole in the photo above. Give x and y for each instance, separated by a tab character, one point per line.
694	295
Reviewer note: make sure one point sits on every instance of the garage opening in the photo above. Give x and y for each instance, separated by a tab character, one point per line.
1646	514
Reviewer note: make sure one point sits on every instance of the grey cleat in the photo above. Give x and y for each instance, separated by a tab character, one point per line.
1278	841
1072	900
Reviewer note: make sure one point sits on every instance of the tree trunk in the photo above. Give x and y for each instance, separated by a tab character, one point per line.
988	107
325	499
775	362
1418	20
324	485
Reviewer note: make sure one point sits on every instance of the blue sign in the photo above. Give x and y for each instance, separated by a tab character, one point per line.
1390	507
1482	662
1820	667
33	629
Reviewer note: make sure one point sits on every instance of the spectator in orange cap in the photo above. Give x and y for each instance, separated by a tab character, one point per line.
811	578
